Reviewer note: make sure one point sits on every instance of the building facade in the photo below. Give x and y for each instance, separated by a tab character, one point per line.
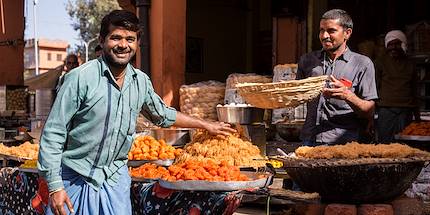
51	55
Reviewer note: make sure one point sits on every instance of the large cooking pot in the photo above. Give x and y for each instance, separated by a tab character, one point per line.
364	182
241	115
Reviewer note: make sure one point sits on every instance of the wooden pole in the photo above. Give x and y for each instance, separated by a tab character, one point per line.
3	29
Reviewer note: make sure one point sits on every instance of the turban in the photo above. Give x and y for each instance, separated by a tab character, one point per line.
396	34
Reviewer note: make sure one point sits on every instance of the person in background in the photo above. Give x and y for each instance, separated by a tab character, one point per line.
347	104
396	84
71	62
98	51
89	131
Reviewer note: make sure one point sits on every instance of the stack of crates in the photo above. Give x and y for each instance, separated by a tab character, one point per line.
13	98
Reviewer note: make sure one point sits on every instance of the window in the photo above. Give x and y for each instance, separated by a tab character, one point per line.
59	57
49	56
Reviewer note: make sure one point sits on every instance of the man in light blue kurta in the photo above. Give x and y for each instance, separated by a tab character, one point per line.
87	136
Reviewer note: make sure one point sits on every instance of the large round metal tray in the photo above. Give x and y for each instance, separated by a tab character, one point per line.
355	181
200	185
15	158
137	163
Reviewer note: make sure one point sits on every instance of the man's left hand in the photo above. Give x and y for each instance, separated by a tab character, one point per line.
338	90
219	128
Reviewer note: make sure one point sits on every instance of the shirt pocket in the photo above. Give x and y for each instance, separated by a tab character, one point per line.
133	119
338	104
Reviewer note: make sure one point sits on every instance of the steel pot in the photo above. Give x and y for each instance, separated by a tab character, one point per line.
241	115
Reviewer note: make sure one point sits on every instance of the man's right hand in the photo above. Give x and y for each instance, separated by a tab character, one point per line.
58	199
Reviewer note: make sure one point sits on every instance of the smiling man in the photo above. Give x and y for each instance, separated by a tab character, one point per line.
346	105
87	136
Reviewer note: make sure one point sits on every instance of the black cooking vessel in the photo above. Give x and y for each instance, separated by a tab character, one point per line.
361	183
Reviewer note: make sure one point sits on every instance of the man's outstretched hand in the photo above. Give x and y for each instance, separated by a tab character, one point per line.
219	128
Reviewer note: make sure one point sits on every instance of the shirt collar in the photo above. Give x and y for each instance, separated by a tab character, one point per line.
346	56
129	75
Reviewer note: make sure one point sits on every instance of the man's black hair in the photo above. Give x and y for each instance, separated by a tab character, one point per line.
98	48
119	18
344	19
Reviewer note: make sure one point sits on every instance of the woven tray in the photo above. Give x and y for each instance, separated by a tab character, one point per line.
355	181
282	94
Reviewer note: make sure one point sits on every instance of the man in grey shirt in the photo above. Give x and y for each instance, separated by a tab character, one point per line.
337	116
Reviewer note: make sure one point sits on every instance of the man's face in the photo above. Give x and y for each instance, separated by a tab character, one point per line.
332	35
71	63
394	48
119	46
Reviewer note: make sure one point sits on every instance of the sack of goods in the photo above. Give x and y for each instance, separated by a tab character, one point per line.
231	95
200	99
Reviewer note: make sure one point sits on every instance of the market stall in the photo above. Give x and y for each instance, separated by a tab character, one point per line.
188	171
156	186
24	192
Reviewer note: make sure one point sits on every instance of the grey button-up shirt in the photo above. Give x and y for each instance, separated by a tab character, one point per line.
330	120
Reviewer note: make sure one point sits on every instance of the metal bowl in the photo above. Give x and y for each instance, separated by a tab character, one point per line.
172	136
364	183
241	115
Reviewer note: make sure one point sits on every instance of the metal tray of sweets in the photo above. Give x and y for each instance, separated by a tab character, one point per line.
137	163
144	180
27	169
201	185
412	137
14	158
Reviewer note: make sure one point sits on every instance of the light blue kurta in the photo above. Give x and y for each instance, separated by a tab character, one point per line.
92	121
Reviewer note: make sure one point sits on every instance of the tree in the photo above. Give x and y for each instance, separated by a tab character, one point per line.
87	16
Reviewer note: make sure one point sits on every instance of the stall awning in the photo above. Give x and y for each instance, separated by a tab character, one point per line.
47	80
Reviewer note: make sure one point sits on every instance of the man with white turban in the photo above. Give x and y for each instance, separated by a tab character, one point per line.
396	35
396	85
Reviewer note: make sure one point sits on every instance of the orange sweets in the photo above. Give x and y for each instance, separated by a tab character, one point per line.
151	171
231	148
417	128
148	148
208	170
191	170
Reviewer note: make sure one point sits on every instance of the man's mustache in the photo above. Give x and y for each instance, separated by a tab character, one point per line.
326	40
121	50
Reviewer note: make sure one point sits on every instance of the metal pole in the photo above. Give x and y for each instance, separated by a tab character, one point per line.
87	44
36	51
86	51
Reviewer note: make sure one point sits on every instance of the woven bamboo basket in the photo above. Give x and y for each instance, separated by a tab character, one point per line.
282	94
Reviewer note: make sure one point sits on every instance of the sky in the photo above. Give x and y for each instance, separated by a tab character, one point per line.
53	22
